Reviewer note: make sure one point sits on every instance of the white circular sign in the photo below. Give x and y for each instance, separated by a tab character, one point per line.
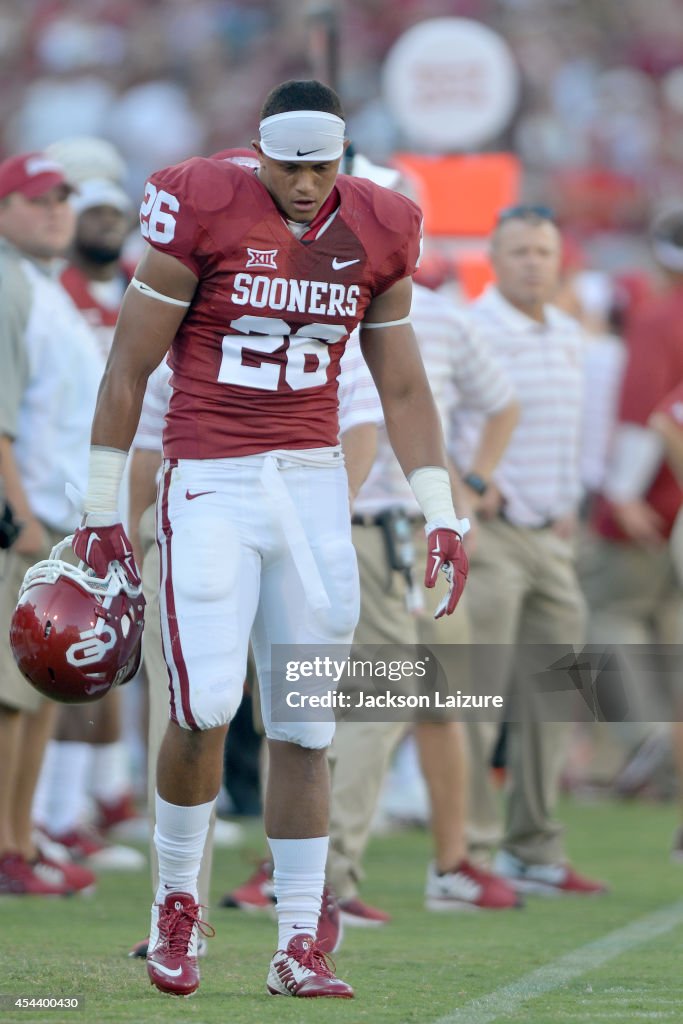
451	83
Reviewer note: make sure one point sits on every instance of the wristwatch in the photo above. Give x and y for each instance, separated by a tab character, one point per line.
476	483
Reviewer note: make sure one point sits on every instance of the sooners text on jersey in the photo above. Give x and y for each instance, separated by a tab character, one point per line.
255	361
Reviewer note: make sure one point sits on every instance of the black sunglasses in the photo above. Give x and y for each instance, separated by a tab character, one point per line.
525	210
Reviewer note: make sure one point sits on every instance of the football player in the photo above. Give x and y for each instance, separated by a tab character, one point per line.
253	280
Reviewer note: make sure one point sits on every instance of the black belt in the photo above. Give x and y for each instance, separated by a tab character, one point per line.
358	519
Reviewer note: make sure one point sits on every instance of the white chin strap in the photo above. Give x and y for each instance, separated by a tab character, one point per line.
303	136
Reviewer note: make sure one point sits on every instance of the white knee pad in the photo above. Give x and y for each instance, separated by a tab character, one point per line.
336	560
313	735
205	561
205	644
214	705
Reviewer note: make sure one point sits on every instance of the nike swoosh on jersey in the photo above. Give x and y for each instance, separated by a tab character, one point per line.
340	264
197	494
171	972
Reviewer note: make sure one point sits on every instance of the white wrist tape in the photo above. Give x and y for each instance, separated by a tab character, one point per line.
431	486
152	294
104	479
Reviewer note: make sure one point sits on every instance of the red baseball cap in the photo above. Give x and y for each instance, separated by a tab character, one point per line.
32	174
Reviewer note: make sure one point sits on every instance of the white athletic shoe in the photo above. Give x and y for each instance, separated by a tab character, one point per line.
304	970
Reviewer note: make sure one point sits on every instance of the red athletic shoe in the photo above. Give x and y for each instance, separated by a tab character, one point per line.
139	950
117	812
357	914
573	882
17	878
304	970
85	844
172	953
330	929
545	879
74	877
53	857
468	887
256	893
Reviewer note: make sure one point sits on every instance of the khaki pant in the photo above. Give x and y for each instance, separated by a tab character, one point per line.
522	590
634	596
361	751
159	700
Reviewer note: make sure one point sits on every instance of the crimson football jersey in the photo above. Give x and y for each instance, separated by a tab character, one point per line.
255	361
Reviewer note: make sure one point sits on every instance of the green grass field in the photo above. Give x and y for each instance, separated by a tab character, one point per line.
422	968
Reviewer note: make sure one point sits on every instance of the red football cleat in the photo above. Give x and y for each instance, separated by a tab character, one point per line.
304	970
330	929
468	887
357	914
17	878
545	879
85	845
172	952
256	893
73	877
121	817
53	863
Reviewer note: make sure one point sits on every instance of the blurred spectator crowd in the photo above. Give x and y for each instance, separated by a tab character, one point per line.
598	127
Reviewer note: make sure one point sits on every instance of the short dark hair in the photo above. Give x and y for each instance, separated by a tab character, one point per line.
308	94
530	212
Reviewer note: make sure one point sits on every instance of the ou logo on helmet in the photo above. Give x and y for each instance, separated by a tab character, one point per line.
92	646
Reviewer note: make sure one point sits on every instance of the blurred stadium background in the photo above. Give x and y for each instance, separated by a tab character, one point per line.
597	124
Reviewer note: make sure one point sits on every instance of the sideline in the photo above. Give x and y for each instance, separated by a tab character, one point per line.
506	1000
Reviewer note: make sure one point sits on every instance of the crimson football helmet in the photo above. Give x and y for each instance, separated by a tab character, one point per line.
75	635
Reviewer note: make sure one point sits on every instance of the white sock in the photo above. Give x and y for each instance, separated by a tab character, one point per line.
298	880
66	798
179	838
110	775
40	810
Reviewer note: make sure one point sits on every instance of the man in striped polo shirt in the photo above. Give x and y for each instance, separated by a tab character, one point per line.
524	589
461	371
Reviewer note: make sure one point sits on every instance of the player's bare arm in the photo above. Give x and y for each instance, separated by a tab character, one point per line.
147	325
394	359
153	309
412	422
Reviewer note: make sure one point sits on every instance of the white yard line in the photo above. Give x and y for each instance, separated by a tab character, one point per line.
506	1000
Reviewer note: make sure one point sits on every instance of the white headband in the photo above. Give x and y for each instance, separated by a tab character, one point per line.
303	135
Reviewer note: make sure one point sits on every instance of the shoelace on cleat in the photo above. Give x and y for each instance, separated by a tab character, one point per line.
317	960
175	926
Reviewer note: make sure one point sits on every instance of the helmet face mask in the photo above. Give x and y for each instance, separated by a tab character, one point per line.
74	635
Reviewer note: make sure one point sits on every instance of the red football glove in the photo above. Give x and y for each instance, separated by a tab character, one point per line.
97	546
447	554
